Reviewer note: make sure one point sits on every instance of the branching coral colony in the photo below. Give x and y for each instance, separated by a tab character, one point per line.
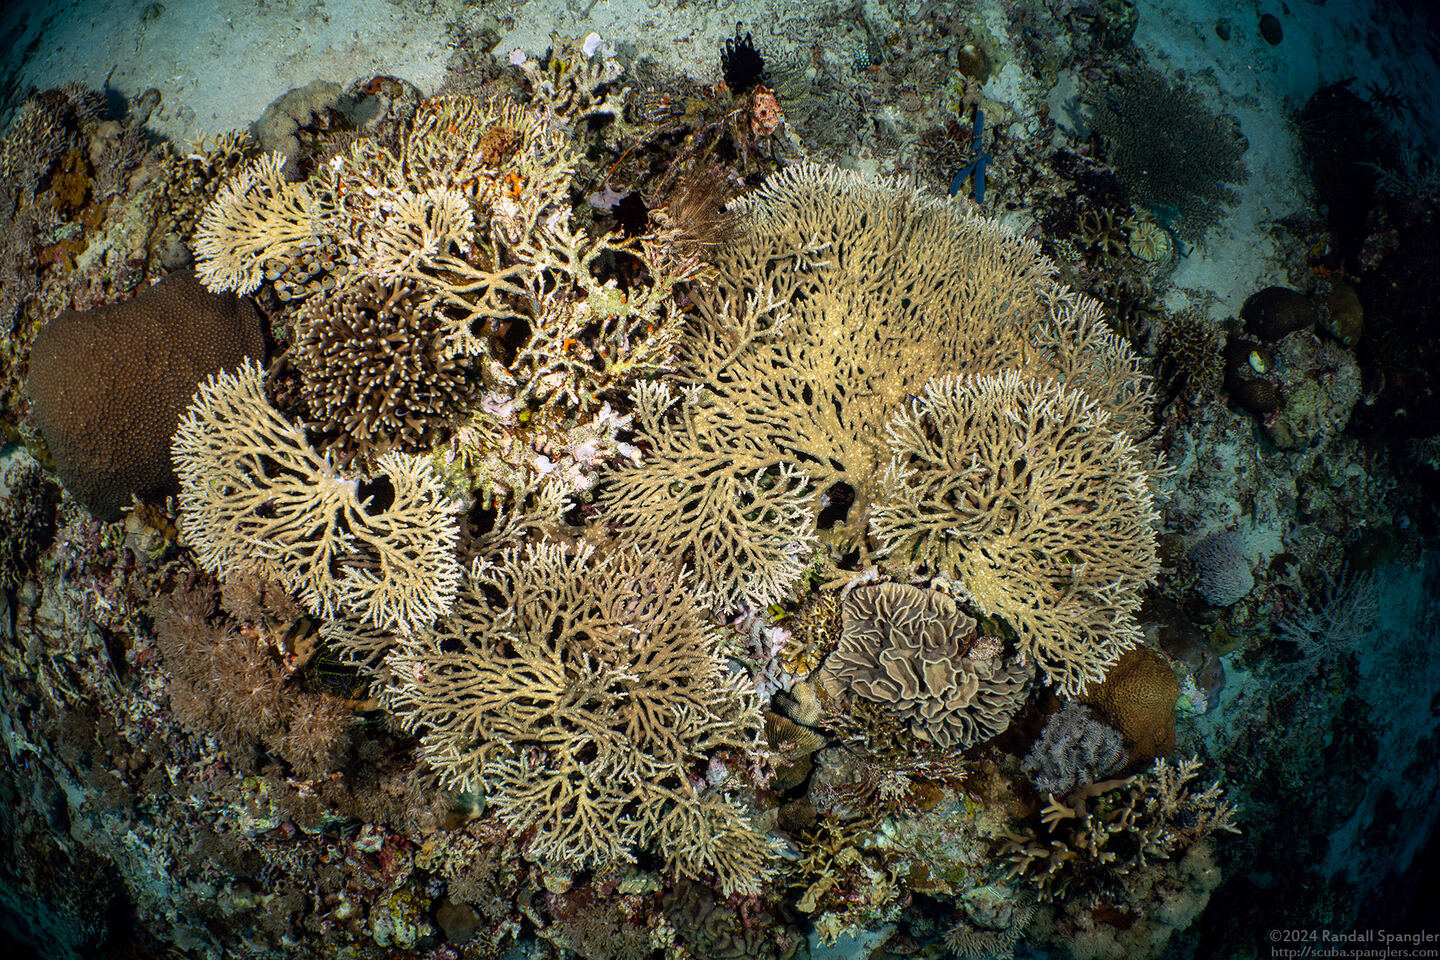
862	387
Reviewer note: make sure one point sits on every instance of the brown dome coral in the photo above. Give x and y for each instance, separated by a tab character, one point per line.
107	386
1138	696
916	652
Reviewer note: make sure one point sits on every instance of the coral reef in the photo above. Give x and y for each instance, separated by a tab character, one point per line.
914	652
1024	492
798	361
108	386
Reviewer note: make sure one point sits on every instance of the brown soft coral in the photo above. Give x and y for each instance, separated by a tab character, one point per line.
108	386
1138	697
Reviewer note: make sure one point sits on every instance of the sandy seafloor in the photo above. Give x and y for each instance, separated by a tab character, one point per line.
218	63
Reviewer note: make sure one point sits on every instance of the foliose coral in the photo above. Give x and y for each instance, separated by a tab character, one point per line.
108	386
913	652
256	497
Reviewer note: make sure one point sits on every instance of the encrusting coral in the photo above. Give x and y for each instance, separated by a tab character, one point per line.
256	497
841	297
1026	493
916	653
580	692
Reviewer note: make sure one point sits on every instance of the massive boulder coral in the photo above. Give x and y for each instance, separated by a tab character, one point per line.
580	692
256	498
841	297
108	386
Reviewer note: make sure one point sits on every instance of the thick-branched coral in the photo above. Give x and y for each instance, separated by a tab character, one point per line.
581	692
256	497
841	297
1104	842
372	370
1074	749
914	651
108	386
1026	493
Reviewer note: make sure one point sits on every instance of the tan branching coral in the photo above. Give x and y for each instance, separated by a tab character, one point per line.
255	496
255	217
470	207
1024	492
1096	844
372	370
580	692
911	650
745	531
841	297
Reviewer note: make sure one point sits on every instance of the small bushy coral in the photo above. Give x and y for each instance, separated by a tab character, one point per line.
373	373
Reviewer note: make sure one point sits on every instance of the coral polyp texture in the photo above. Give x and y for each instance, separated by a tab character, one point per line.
1024	492
256	497
580	691
107	386
373	373
914	652
841	297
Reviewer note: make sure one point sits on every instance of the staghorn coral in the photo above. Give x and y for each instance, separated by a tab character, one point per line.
1106	842
911	651
373	373
108	386
1026	493
256	497
1074	749
842	296
580	692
